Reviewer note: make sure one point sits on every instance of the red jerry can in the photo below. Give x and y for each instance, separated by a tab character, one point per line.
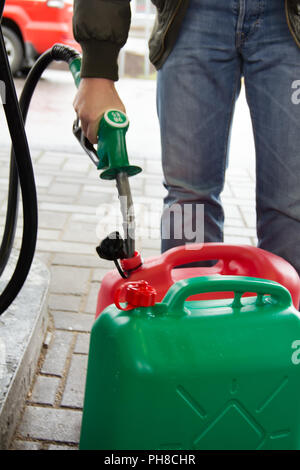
160	272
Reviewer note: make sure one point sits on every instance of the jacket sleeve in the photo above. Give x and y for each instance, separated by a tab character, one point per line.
101	27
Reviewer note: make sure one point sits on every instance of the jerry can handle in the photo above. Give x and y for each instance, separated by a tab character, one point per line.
181	290
259	260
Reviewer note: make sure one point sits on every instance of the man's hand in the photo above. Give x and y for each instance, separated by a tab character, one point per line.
94	97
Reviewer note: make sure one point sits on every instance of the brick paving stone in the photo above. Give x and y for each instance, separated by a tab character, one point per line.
76	167
67	208
235	170
84	261
56	163
49	170
137	183
98	274
3	182
62	189
247	190
153	166
148	216
249	202
157	191
65	247
43	181
44	390
75	385
85	218
69	280
64	302
26	445
231	211
227	192
80	232
44	257
91	303
54	199
82	343
239	177
76	179
58	447
73	321
44	234
245	197
250	220
152	179
61	155
254	241
105	187
149	201
50	158
57	354
150	236
246	210
151	244
230	222
236	183
93	200
4	171
245	232
235	240
148	253
3	207
78	154
52	220
51	424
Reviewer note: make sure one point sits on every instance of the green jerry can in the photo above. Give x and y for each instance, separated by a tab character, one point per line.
196	375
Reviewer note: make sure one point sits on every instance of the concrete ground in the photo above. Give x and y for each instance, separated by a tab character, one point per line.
75	212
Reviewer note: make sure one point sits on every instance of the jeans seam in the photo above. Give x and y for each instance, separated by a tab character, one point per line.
240	22
249	101
257	23
225	153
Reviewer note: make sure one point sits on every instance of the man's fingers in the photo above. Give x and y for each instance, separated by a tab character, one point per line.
92	132
93	98
84	126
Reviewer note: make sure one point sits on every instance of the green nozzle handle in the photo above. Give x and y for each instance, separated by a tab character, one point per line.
112	151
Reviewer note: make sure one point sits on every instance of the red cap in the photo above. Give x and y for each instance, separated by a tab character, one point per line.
136	294
129	264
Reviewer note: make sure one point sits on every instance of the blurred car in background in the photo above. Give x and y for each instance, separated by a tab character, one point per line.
30	27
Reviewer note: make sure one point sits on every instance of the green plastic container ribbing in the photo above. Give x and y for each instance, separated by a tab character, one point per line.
219	374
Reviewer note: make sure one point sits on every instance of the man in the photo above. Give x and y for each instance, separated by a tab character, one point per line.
201	49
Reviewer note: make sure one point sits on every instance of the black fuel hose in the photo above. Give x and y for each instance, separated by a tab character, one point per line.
25	171
11	213
21	168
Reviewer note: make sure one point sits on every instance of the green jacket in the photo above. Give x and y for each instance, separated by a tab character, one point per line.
101	27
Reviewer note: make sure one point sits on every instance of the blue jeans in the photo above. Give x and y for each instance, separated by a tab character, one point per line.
219	42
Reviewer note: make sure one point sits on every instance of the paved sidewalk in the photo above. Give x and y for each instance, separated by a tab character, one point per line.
72	202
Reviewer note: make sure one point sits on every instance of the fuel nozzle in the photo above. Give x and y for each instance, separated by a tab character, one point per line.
112	151
112	247
113	159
